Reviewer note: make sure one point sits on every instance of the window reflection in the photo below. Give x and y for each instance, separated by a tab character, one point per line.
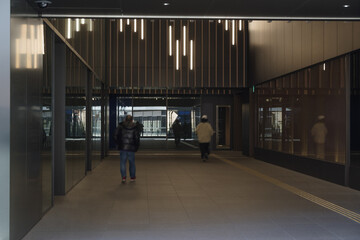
289	108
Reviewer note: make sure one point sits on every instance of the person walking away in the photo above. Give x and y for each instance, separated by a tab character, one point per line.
127	137
319	132
204	131
177	130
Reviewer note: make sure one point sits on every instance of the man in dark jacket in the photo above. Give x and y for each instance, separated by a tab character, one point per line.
127	137
177	130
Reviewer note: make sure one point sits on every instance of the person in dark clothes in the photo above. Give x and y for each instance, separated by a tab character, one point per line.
177	130
127	137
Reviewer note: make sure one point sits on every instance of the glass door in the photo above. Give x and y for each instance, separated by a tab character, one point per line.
223	126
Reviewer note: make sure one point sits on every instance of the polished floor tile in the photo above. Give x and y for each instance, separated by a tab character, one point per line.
177	196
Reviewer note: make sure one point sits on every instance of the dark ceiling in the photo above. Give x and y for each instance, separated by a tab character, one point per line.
246	9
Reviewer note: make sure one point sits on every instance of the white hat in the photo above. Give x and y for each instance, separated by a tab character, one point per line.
204	117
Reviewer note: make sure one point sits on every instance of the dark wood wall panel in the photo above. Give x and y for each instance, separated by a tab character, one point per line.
137	63
281	47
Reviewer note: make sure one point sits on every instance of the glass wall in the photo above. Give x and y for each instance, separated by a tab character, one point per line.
96	139
303	113
47	118
354	122
157	118
75	120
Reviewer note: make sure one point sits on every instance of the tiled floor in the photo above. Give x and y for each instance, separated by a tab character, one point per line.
177	196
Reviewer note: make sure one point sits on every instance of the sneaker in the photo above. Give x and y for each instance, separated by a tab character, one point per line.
132	179
123	179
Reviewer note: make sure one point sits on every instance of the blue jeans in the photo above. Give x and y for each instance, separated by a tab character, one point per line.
125	155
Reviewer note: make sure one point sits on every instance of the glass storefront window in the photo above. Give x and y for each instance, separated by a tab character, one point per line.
308	118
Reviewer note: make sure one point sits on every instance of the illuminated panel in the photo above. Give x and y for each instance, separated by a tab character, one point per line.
170	40
142	29
191	54
177	54
77	25
184	40
68	26
233	33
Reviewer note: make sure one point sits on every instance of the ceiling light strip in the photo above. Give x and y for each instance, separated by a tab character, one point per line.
77	25
184	40
170	40
233	32
68	30
142	29
177	54
191	54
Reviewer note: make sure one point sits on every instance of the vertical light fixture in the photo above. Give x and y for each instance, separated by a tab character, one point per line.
324	66
191	54
135	26
177	54
30	49
77	25
233	33
226	25
121	25
68	30
91	25
128	21
170	40
219	21
240	25
82	21
184	40
142	29
40	37
17	56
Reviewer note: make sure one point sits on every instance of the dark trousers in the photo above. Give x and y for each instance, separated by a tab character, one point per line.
204	149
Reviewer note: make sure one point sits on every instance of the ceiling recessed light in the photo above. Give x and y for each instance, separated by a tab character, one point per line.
346	5
166	3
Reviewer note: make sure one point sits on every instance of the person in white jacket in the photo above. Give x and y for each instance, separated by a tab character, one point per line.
204	131
319	131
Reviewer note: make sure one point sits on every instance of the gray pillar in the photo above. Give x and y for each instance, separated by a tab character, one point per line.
59	95
88	122
347	123
5	120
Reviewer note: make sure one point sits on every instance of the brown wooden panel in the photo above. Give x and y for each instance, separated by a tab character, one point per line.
280	48
330	39
345	37
288	46
265	50
317	42
356	35
305	44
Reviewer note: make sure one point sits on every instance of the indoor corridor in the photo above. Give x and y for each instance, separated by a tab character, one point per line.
177	196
